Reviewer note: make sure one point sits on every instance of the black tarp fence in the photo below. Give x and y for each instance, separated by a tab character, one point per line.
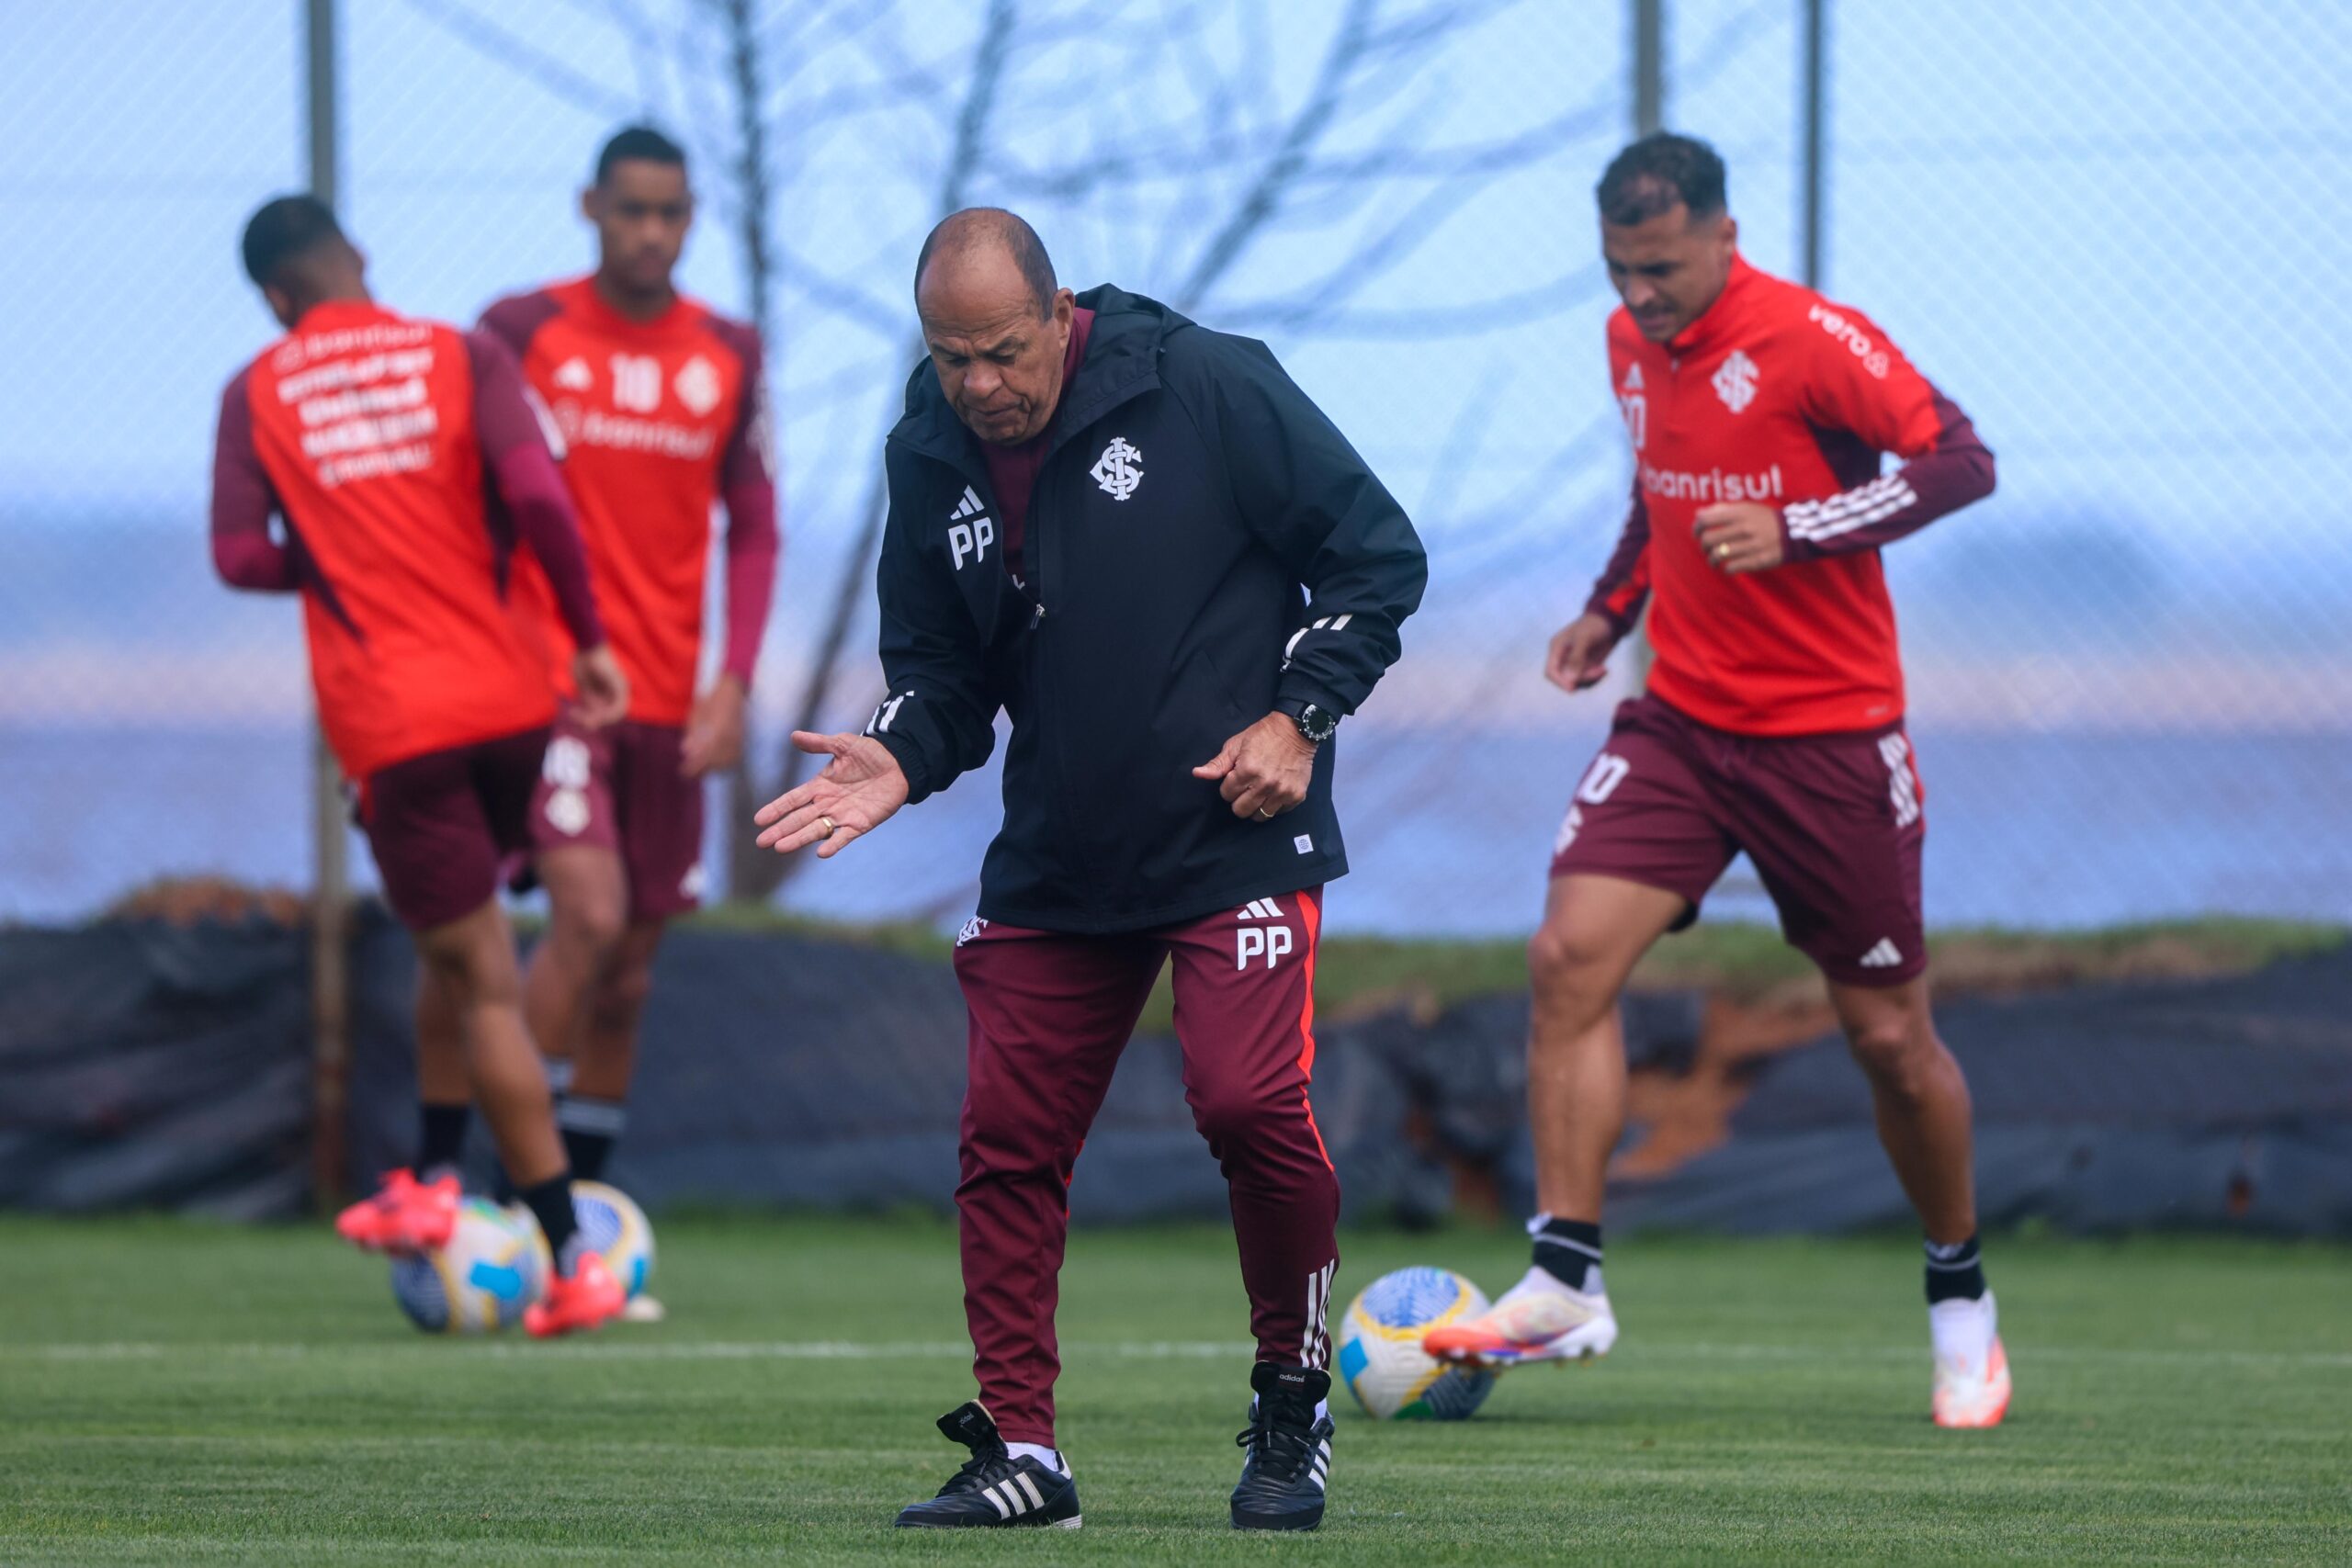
146	1066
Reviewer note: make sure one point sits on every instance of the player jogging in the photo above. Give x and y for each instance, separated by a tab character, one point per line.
659	406
1142	540
1759	414
405	463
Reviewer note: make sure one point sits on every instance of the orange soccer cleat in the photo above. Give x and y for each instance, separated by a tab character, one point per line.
405	1216
586	1298
1972	1383
1539	1319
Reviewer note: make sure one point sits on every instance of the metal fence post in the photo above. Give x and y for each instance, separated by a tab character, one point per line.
1812	110
331	873
1649	114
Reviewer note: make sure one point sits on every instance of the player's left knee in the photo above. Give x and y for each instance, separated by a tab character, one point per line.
1238	1118
1900	1055
622	995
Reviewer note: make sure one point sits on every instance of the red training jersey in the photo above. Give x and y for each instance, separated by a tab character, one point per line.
361	428
1775	395
658	419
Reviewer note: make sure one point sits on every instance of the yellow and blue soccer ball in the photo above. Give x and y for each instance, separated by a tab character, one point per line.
493	1267
1380	1347
612	1224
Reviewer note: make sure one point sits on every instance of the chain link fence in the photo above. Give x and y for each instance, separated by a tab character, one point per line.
2106	229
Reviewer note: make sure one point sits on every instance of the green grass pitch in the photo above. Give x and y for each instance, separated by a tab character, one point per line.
176	1393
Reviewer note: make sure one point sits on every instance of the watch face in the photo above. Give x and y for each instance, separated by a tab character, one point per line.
1318	725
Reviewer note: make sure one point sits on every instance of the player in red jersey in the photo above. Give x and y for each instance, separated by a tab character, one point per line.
1758	413
661	409
404	465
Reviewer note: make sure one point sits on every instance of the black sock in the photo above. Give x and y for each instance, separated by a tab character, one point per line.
1568	1251
589	1127
1955	1272
551	1203
441	1137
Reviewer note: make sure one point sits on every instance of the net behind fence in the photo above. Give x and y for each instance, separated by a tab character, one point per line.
2104	229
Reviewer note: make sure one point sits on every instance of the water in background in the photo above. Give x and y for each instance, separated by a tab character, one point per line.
2254	827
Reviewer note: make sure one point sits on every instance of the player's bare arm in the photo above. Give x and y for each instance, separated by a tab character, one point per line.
603	690
1265	769
1580	652
857	792
714	740
1741	536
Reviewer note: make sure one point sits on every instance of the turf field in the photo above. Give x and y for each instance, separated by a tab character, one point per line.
177	1393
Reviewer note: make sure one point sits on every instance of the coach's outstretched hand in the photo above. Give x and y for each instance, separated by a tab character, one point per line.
603	690
858	791
1579	654
1265	769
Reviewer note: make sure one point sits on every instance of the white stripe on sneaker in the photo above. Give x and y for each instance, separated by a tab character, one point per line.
1003	1509
1036	1498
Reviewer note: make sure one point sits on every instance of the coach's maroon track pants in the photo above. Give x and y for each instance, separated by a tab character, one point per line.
1049	1015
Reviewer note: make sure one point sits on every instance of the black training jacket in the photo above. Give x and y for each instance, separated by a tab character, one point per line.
1189	490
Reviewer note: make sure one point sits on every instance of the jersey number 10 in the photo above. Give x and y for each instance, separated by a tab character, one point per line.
636	382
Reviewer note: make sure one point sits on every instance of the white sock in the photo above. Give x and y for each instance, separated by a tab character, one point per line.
1963	1329
1050	1458
1322	1410
1540	1279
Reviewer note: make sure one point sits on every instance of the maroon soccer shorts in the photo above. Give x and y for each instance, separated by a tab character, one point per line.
1049	1017
440	824
1833	822
619	788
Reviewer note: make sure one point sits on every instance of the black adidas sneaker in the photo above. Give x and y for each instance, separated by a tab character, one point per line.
993	1488
1288	1449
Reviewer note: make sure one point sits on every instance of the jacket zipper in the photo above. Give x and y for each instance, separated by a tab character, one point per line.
1050	712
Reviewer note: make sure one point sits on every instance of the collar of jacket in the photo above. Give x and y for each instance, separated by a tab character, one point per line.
1122	362
1726	312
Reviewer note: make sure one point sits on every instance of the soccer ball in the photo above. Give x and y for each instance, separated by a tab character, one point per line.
612	1224
1380	1347
492	1268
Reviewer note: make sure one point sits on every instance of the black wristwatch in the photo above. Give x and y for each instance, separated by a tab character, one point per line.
1315	725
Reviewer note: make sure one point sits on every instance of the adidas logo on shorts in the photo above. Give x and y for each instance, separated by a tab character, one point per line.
1886	955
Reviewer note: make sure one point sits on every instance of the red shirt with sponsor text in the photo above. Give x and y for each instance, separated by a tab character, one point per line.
1775	395
366	430
658	420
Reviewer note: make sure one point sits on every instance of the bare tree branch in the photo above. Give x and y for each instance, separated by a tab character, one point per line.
521	56
1225	247
754	872
1499	312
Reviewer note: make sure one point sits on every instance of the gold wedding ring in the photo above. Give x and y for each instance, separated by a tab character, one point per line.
1722	550
831	826
1264	815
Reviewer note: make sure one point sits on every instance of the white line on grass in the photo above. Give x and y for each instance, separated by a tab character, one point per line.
610	1347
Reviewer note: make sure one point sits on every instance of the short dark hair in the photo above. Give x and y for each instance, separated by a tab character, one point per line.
976	226
641	144
284	229
1658	174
